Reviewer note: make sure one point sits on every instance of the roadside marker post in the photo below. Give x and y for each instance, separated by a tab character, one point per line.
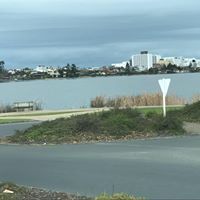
164	85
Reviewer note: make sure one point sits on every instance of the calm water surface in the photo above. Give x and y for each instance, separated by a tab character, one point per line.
157	168
75	93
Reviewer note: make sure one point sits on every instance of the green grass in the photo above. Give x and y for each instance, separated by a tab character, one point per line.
7	121
159	110
106	125
144	110
43	114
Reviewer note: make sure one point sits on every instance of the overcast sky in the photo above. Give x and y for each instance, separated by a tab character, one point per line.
96	32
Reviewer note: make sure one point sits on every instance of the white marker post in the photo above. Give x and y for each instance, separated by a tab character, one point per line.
164	85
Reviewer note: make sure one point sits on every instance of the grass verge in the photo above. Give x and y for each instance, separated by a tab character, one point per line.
42	114
159	109
9	121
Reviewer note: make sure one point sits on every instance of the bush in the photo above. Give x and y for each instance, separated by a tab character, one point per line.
169	126
191	112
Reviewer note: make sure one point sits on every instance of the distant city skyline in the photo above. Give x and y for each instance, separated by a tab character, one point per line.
95	33
146	60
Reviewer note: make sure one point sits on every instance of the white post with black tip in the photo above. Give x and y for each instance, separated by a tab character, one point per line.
164	85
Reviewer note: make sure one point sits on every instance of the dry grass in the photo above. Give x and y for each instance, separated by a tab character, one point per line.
154	99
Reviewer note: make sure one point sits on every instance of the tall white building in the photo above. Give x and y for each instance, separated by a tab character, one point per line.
143	61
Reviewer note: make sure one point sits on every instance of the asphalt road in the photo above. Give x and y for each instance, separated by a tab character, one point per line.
10	129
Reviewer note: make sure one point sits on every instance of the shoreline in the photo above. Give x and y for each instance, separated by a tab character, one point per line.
103	76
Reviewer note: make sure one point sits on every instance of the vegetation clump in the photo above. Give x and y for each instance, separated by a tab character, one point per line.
190	113
102	126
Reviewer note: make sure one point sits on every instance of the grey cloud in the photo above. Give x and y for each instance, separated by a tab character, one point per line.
29	36
97	7
101	30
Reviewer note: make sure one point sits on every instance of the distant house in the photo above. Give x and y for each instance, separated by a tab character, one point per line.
25	106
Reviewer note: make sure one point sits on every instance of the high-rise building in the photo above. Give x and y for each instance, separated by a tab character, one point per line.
143	61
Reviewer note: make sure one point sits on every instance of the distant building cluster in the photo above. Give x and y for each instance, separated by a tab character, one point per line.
145	60
141	63
40	69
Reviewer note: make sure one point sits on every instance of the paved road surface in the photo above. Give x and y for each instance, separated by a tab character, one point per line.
10	129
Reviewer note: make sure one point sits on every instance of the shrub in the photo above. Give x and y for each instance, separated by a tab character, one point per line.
169	126
192	112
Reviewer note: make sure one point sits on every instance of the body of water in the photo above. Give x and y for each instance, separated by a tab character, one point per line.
156	168
76	93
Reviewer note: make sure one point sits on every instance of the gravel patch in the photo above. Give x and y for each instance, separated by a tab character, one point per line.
192	128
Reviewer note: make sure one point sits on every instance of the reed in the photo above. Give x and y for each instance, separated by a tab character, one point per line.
153	99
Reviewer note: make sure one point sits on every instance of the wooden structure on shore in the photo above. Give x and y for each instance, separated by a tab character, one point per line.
25	106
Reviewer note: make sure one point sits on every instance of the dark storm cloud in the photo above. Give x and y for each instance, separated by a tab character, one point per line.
96	33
